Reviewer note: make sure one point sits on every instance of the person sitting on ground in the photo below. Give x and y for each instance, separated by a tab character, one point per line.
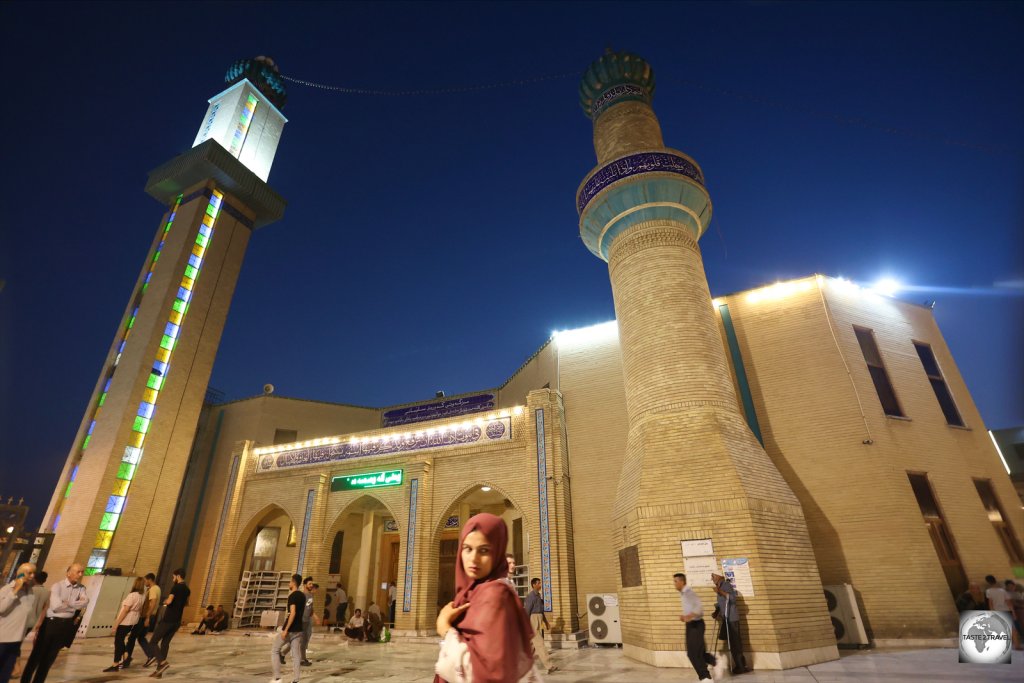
374	623
206	623
355	629
220	620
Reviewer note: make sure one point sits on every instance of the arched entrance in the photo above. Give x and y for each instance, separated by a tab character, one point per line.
271	544
479	498
364	543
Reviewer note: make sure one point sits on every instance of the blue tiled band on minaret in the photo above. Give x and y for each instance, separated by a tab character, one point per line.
228	495
542	498
310	496
410	544
741	372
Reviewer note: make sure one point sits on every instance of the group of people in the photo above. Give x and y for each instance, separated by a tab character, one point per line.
726	610
1007	597
294	636
139	620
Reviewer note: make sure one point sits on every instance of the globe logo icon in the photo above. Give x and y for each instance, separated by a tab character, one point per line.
985	637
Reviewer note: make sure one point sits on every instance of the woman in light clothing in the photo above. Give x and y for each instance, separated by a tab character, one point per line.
127	619
487	637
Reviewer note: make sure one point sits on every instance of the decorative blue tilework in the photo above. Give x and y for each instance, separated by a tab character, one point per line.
499	429
310	496
436	410
452	522
410	545
636	164
228	493
623	91
542	497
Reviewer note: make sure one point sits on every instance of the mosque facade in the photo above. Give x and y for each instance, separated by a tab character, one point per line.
801	435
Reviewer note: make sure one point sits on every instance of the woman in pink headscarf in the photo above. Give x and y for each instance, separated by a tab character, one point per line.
487	636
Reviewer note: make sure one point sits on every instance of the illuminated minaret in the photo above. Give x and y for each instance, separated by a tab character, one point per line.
118	491
692	468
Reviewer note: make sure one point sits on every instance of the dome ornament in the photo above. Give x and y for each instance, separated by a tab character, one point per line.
615	77
262	72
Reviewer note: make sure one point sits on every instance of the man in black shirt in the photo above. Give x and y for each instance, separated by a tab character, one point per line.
290	637
168	625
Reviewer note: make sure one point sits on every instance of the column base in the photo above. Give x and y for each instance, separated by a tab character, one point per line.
759	660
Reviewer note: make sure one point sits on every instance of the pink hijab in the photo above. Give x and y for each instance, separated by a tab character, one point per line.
495	627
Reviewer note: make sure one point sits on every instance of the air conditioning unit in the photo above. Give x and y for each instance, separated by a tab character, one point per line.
842	607
603	616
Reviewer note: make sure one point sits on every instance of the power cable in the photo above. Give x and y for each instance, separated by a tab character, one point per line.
435	91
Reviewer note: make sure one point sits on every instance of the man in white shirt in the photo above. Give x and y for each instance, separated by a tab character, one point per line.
58	630
996	595
693	616
17	603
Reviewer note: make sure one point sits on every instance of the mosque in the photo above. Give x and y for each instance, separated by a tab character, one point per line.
810	438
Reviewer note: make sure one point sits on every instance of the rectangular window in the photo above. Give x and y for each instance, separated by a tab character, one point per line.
999	521
942	539
938	382
879	375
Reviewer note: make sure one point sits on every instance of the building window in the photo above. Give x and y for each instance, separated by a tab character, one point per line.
285	436
999	520
879	375
931	369
942	539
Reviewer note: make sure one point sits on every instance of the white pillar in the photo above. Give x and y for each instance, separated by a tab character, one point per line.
362	588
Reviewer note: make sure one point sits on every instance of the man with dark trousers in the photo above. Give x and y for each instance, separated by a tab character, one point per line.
730	628
58	627
174	607
693	617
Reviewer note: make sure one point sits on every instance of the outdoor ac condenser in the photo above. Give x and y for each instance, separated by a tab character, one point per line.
603	615
842	607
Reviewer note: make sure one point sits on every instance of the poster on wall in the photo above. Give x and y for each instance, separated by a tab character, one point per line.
737	571
699	570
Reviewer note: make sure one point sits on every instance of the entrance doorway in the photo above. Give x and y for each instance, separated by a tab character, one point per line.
264	550
387	570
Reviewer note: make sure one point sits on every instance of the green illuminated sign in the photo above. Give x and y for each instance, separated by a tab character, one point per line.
369	480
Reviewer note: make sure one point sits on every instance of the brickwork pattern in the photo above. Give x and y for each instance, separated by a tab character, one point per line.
864	521
691	463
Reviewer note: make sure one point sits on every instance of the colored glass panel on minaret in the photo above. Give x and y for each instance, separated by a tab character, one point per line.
121	345
147	407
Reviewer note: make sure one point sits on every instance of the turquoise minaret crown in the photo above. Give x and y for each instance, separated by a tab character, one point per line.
615	77
638	179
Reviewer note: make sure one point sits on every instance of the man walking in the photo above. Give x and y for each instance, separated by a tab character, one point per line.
290	637
58	627
17	602
174	606
693	617
341	607
730	629
539	622
308	617
147	624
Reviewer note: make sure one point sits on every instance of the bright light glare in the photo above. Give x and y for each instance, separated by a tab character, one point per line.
887	286
485	489
998	450
10	529
587	335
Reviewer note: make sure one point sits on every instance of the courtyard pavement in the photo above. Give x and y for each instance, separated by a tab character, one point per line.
244	658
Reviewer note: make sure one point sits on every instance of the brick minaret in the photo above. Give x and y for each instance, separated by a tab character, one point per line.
117	493
692	469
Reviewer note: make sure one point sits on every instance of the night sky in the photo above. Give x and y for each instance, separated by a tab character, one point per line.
431	242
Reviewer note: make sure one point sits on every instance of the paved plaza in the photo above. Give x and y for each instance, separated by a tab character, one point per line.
239	657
